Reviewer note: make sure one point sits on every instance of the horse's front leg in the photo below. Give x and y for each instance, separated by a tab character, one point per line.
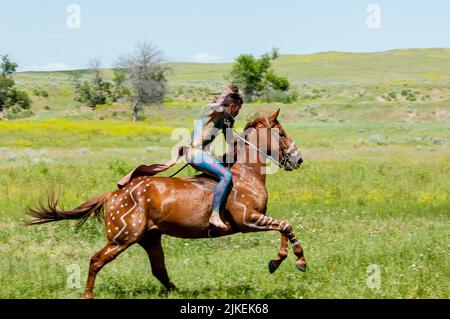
282	255
259	222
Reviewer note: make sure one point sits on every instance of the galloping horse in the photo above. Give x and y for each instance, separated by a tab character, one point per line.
148	207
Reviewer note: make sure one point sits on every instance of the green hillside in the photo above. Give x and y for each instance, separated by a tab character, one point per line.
331	87
407	64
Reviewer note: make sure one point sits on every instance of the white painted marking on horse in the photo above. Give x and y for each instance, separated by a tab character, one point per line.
203	187
242	173
245	212
259	219
263	222
123	221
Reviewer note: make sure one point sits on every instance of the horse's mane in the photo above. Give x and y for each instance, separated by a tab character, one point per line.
261	121
257	122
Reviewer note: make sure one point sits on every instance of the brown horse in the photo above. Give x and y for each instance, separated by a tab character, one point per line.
148	207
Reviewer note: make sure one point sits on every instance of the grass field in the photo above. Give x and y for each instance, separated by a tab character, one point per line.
374	188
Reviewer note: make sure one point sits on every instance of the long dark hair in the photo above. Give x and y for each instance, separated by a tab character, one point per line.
232	101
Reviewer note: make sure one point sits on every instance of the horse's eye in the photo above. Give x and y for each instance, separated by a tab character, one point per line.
282	135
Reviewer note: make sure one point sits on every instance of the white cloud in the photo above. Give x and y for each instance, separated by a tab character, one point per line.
53	66
56	37
206	57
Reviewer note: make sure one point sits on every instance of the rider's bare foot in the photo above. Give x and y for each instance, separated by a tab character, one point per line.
216	221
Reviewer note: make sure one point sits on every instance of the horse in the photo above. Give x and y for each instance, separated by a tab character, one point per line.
151	206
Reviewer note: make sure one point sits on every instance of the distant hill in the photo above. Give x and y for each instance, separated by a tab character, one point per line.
396	65
407	65
415	65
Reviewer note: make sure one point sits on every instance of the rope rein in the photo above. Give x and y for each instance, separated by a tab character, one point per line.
283	161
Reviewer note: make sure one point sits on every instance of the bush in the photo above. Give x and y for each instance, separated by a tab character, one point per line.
16	112
279	96
377	139
41	93
12	99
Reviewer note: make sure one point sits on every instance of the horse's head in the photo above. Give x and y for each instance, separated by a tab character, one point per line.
278	141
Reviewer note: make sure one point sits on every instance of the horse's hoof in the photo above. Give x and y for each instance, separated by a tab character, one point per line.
171	287
301	267
272	266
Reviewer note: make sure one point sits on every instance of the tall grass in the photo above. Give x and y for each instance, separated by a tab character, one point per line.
352	205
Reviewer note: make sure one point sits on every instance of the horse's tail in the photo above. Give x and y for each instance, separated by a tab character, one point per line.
46	213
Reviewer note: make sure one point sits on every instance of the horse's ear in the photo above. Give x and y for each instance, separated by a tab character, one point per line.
274	116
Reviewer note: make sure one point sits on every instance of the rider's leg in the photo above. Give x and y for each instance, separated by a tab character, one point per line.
206	163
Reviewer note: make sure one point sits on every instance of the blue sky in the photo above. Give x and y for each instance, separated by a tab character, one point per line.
36	35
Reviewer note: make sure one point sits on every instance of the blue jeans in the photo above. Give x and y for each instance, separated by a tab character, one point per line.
204	162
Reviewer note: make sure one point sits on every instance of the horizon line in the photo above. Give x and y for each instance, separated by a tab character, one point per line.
229	62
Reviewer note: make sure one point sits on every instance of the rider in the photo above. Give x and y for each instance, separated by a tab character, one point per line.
217	116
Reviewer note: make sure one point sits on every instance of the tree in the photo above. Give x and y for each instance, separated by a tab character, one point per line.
10	96
119	88
97	91
253	76
75	79
146	72
8	67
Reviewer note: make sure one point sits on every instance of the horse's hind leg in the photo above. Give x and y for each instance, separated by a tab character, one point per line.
107	254
151	242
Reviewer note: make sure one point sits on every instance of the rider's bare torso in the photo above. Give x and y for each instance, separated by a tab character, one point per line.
215	119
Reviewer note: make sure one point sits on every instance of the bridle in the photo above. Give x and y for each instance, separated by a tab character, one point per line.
285	154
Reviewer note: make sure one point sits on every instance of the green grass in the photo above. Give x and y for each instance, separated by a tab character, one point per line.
373	190
352	205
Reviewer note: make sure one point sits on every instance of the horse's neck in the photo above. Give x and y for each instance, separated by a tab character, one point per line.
250	160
